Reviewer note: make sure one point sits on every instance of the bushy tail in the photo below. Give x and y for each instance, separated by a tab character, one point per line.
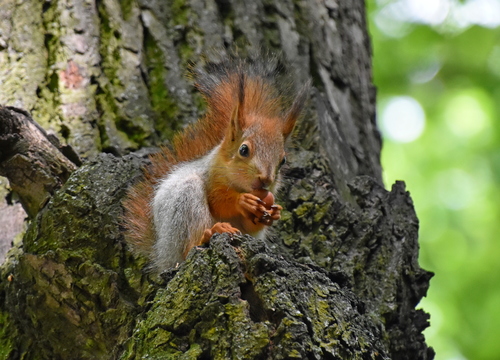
138	217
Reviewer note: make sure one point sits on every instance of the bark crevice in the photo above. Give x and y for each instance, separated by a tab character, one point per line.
339	278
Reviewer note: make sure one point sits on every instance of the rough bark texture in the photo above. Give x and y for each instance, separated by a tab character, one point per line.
33	161
338	280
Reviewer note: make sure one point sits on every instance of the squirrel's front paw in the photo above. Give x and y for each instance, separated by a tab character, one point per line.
251	207
259	207
273	213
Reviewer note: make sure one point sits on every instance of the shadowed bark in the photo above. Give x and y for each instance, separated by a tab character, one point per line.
33	161
338	279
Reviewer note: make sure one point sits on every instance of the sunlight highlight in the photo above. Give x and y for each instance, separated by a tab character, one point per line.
466	114
432	12
403	119
456	188
394	18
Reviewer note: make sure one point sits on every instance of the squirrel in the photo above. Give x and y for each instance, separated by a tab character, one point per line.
221	171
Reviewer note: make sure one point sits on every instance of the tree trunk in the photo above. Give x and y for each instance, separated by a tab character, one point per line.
339	278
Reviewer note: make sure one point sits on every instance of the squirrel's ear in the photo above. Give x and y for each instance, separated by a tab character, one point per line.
296	109
237	118
235	130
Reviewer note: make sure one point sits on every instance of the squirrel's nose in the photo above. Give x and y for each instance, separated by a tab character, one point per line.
265	181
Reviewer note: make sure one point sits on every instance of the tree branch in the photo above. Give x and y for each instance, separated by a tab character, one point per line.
34	162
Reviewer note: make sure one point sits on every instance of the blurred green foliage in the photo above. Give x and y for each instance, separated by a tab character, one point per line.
452	169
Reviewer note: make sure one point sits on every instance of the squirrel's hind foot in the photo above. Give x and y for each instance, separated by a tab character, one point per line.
220	227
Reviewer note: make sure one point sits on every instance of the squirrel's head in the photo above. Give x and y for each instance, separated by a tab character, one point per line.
255	154
254	143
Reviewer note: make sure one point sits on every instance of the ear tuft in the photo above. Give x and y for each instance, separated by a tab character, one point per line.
296	109
241	99
236	124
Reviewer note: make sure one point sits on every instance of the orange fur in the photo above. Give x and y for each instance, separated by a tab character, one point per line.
259	99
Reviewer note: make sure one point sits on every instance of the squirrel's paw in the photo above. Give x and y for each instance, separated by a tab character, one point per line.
273	213
220	227
250	206
276	212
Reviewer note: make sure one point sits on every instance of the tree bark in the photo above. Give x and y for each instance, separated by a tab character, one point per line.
33	161
339	279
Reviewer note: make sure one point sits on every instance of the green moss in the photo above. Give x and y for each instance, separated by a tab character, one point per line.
290	240
186	53
70	285
131	133
192	353
116	129
127	6
46	109
201	314
23	65
7	336
321	211
286	224
134	129
180	11
303	191
303	211
321	308
162	103
110	46
271	33
286	216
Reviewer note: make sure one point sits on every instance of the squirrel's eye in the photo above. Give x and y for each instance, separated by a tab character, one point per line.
244	150
283	161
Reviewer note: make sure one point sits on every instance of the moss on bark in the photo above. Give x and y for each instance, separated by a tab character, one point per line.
237	299
340	277
75	290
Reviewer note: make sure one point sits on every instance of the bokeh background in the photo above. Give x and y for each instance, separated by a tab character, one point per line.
437	70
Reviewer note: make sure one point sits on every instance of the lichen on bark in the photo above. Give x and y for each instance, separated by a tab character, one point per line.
338	279
247	302
72	287
76	289
368	239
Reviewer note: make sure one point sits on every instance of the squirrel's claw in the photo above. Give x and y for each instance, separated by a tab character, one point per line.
251	205
275	212
252	208
266	219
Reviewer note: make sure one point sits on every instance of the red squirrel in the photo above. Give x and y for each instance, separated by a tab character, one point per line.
221	172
